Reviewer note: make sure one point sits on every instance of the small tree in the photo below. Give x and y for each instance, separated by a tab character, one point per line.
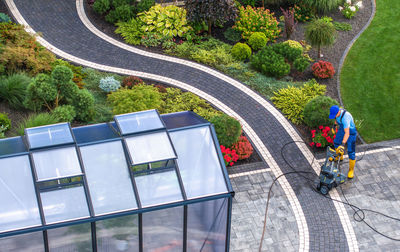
290	24
211	11
320	33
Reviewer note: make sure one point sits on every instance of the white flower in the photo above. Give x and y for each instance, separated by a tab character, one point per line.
340	8
352	8
348	2
359	4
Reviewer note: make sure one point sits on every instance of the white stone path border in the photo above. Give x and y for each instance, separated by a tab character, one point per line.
296	207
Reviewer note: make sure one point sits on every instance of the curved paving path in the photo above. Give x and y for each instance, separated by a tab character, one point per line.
322	224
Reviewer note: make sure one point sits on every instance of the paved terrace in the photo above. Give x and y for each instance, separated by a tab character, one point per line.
299	220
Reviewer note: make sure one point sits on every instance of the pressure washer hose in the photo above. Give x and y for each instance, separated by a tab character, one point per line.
359	213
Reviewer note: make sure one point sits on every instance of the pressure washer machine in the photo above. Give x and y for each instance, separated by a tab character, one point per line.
330	175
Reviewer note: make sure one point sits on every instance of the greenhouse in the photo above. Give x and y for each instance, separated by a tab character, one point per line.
143	182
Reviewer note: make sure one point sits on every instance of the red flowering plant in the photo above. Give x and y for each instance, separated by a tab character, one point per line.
322	137
230	156
323	69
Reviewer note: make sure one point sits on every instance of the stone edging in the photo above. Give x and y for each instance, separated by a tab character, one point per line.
349	46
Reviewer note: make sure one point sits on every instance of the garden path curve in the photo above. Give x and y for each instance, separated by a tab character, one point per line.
65	30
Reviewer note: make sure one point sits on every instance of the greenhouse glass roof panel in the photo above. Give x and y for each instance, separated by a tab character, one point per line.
139	122
150	147
49	135
94	133
13	145
56	163
18	202
64	204
108	177
158	188
198	162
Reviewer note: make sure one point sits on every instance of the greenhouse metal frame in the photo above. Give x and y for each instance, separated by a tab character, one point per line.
141	183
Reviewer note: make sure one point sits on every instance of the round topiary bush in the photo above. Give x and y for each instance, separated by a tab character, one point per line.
243	148
301	63
109	84
65	113
227	128
257	40
241	51
316	111
5	121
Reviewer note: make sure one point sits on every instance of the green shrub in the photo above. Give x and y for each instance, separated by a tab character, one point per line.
342	26
232	35
5	122
130	31
121	13
36	121
257	20
257	40
144	5
117	3
83	102
268	62
140	97
175	100
168	21
152	39
13	89
4	18
78	74
316	111
291	101
109	84
303	13
64	113
301	63
101	6
40	92
289	49
62	77
323	6
241	51
227	128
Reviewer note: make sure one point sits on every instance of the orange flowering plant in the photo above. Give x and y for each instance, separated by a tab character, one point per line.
323	137
252	20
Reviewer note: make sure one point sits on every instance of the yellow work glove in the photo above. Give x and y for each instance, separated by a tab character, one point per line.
340	150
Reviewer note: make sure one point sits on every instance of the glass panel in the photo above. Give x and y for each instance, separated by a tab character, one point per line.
76	238
198	162
163	230
118	234
140	121
49	135
57	163
182	119
18	202
12	145
108	177
31	242
207	225
64	204
150	147
93	133
158	188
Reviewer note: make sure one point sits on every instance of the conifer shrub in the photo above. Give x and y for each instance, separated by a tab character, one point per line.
228	129
109	84
64	113
289	49
316	111
241	51
301	63
270	63
257	40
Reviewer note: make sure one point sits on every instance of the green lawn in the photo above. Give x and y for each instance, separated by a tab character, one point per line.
370	78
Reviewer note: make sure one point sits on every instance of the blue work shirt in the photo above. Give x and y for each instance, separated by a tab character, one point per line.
346	122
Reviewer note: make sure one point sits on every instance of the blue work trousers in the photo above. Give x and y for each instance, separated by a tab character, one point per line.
351	142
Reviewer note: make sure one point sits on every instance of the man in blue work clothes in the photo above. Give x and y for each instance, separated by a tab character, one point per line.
347	133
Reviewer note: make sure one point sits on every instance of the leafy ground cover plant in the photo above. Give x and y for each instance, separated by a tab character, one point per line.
291	101
342	26
323	69
322	137
316	111
243	148
130	31
257	20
